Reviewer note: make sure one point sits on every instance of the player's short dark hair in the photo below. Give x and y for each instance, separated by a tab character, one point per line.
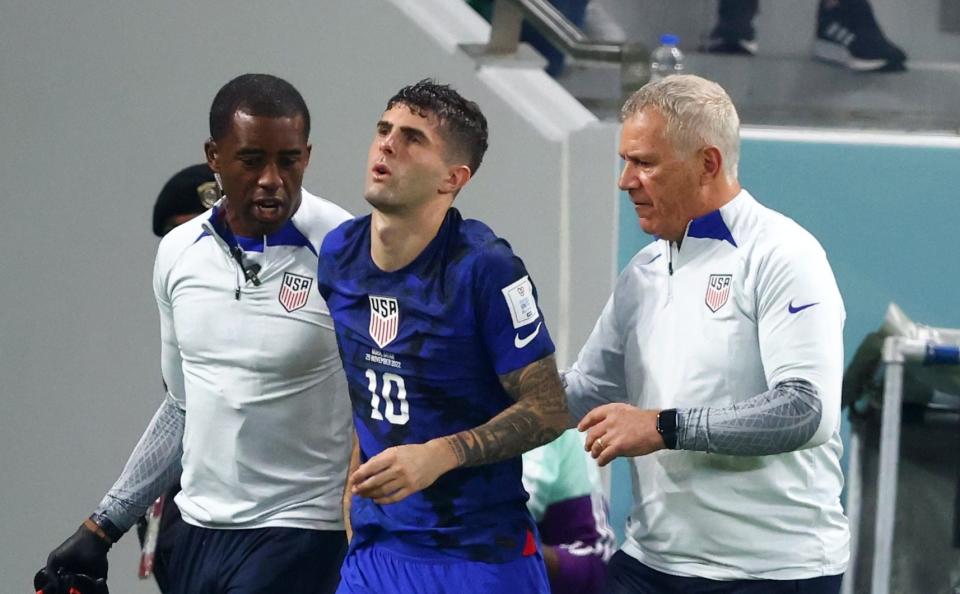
262	95
461	123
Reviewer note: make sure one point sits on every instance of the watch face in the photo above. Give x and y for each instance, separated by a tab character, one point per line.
667	426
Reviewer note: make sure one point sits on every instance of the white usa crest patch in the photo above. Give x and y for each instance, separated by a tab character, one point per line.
718	291
384	319
294	291
520	301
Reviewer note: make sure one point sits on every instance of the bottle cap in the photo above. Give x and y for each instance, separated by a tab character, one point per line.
669	39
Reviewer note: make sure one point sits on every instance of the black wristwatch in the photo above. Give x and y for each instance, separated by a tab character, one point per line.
667	427
104	528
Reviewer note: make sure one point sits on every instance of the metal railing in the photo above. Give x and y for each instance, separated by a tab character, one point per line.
509	15
897	353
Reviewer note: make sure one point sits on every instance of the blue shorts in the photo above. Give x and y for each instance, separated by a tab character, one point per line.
256	561
626	575
375	569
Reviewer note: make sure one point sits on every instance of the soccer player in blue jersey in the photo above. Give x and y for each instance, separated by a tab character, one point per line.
449	365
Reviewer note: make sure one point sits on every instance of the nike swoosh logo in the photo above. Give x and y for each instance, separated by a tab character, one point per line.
794	310
522	342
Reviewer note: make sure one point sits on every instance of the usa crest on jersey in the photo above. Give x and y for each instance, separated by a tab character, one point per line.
384	319
718	291
294	291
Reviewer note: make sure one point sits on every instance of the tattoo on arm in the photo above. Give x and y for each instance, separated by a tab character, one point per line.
538	417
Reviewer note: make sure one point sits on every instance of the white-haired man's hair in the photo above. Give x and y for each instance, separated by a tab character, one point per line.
698	113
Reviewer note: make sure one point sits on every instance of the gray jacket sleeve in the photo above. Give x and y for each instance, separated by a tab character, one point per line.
597	377
151	469
780	420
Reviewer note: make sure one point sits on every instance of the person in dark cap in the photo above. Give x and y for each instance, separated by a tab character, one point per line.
188	193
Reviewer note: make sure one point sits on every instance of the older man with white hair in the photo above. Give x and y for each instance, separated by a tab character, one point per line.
716	366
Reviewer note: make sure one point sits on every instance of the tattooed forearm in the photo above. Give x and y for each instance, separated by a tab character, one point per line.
538	417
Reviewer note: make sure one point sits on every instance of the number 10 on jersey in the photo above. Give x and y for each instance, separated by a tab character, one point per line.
396	411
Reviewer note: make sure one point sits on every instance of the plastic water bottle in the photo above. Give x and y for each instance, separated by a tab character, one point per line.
667	58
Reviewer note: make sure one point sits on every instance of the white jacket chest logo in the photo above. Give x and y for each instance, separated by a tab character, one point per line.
294	291
718	291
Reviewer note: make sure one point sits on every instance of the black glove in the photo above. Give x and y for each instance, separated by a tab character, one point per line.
68	583
83	553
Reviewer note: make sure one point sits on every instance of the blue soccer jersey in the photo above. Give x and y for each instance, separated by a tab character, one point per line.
422	348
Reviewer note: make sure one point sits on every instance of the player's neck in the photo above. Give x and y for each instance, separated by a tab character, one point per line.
396	239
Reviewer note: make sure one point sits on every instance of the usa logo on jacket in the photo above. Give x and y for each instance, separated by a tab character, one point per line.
718	291
294	291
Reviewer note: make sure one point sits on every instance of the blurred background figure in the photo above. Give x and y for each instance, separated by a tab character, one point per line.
847	34
568	503
574	10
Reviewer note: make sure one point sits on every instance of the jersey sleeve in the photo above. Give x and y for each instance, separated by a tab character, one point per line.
324	273
333	243
171	365
511	323
800	319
